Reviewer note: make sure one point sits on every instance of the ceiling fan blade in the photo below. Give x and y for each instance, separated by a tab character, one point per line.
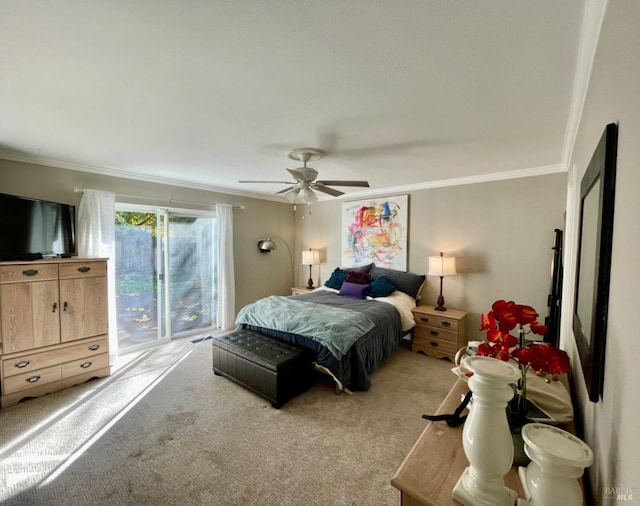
325	189
263	181
361	184
285	190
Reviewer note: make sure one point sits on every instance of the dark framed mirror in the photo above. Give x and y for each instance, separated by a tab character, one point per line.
593	266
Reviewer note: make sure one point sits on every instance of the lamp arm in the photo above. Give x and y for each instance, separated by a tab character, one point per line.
290	256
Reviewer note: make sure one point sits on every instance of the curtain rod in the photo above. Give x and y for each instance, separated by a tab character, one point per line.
81	190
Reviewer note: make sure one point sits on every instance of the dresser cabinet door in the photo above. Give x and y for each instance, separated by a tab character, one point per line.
83	311
30	315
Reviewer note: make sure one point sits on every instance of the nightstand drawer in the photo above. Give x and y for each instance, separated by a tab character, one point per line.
422	332
434	343
437	321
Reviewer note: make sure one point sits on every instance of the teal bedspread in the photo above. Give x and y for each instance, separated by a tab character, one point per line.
335	328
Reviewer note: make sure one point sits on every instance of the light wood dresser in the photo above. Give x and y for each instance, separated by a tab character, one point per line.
439	334
53	326
433	466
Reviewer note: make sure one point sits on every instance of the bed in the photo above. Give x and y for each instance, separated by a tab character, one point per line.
351	324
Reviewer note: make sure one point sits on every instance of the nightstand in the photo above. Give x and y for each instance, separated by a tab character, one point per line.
439	334
298	290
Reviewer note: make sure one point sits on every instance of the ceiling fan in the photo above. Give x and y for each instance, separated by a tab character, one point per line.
305	179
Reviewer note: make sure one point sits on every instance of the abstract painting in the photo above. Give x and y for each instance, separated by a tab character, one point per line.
375	230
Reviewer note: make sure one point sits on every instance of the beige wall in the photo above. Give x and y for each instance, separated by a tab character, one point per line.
501	234
257	274
611	425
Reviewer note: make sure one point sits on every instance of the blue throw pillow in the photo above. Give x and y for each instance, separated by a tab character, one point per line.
336	279
354	290
381	287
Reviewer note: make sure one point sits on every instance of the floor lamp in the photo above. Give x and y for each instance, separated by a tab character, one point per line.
441	266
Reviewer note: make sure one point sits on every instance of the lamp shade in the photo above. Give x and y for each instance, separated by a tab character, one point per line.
292	194
267	245
311	257
442	266
308	195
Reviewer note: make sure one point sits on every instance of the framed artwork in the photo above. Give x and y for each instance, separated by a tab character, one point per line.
593	266
375	230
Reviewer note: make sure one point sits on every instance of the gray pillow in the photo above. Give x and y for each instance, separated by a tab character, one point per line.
362	268
406	282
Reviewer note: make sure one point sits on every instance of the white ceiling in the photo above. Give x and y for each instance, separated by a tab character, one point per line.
402	93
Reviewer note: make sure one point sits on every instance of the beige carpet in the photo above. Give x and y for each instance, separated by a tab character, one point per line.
196	438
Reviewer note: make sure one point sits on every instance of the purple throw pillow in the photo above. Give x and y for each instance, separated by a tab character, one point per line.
355	290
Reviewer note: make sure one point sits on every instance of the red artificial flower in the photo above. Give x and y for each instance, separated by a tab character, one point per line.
541	357
505	314
487	321
538	328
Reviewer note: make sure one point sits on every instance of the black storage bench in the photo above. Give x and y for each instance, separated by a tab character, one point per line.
273	369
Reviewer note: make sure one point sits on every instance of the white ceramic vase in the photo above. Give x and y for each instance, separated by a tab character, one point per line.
558	459
486	437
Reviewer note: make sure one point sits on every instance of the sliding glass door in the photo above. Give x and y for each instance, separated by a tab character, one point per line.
165	274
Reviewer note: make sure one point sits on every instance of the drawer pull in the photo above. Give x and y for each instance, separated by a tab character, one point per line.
65	306
94	347
422	318
84	269
33	379
30	272
446	324
22	364
434	343
54	308
86	365
434	332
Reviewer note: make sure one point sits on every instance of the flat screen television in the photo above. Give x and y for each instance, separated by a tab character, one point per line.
31	228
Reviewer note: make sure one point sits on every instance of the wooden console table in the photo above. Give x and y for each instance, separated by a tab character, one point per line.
435	463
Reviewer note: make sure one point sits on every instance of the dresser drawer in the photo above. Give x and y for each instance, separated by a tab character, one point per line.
24	273
83	269
24	363
434	343
31	379
85	365
424	332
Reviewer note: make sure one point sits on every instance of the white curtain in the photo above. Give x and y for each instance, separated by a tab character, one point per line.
226	289
97	239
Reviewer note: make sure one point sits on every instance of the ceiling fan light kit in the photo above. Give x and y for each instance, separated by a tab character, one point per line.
305	182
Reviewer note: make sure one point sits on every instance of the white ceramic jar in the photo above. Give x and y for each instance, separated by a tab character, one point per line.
558	459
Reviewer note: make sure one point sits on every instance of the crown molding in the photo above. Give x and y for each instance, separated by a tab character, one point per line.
484	178
108	171
592	21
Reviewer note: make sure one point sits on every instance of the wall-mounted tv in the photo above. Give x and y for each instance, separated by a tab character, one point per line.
32	228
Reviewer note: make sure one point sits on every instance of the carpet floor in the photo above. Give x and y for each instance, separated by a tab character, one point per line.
190	437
